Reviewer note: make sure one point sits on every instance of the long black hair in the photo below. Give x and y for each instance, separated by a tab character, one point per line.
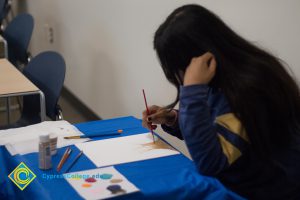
260	91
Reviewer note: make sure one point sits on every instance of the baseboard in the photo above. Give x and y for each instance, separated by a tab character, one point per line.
79	105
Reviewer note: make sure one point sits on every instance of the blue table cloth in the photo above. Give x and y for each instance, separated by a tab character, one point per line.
172	177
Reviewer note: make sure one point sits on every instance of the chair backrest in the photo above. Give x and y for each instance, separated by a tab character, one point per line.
47	71
18	34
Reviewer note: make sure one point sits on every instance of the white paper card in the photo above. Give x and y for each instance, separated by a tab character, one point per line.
26	139
125	149
102	179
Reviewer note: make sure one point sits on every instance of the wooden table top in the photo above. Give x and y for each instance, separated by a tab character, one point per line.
13	81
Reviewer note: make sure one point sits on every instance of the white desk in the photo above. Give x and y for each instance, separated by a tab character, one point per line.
14	83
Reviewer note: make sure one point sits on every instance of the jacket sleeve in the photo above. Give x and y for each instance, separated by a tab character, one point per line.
173	130
211	142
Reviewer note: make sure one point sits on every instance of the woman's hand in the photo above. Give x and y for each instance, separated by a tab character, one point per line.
158	115
200	70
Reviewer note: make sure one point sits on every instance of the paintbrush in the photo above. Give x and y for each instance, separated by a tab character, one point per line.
63	159
74	161
96	135
148	112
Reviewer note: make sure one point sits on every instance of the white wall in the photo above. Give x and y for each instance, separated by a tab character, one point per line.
107	44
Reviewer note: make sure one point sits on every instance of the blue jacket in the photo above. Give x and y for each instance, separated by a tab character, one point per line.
219	146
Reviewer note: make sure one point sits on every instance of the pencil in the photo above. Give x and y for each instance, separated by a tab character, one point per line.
74	161
63	159
148	112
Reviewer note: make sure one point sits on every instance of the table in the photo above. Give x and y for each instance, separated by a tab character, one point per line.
172	177
14	83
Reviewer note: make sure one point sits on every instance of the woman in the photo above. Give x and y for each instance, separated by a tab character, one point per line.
239	108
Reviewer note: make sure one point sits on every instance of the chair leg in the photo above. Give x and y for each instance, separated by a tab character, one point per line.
59	116
19	99
8	110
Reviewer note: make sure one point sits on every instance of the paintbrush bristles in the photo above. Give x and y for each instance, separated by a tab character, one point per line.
153	138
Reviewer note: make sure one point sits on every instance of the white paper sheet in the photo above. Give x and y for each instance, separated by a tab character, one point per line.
26	139
98	189
125	149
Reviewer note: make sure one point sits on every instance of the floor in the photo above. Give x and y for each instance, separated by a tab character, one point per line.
70	113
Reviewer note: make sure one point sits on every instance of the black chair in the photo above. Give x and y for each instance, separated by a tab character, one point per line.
5	8
18	34
47	72
3	4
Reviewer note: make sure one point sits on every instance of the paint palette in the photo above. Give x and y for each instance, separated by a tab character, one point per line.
100	183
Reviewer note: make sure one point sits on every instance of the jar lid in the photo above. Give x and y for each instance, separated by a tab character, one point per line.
44	138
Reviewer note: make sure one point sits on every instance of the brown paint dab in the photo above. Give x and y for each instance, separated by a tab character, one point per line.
159	144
